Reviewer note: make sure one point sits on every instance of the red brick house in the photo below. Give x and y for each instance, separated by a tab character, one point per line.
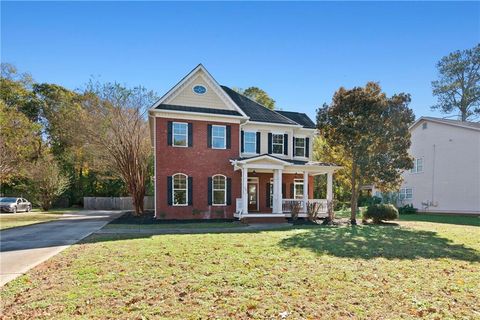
219	154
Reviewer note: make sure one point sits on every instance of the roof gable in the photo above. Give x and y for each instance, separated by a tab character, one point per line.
449	122
182	94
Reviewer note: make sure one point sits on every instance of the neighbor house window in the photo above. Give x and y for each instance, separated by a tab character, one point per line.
250	142
277	143
219	137
417	165
300	147
219	190
405	193
298	188
180	189
180	134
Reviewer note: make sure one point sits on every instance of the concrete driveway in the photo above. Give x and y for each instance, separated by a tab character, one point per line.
23	248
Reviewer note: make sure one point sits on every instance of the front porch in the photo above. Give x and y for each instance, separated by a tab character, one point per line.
277	188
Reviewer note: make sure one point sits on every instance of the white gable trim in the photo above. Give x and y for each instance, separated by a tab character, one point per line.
188	79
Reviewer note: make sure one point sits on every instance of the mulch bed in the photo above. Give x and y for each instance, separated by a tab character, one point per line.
148	218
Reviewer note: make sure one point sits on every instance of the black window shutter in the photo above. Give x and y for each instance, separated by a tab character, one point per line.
209	191
285	144
229	191
169	133
190	191
258	142
284	190
209	136
190	134
268	195
242	138
293	146
307	147
169	191
229	137
292	191
269	143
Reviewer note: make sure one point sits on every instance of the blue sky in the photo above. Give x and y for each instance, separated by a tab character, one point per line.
300	53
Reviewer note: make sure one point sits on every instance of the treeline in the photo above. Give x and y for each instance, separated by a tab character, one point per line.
58	143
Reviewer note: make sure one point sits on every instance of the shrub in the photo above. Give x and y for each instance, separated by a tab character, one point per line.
407	209
380	212
364	201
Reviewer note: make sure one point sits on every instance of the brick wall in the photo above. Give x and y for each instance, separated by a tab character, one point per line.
199	162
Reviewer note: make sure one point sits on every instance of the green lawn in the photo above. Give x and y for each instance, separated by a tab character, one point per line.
36	216
418	269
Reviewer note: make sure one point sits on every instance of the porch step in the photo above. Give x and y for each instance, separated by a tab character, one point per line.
251	220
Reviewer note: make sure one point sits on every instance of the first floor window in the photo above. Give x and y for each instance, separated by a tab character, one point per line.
180	188
271	193
417	165
180	134
300	147
219	190
405	194
298	188
250	142
219	137
277	143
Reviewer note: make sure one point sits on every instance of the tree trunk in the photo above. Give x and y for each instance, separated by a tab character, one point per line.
354	198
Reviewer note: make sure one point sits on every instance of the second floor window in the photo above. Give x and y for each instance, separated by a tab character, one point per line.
250	142
180	134
219	137
277	143
417	165
300	147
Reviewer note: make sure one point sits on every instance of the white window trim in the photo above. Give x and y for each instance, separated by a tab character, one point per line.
186	190
297	182
404	191
224	136
415	165
244	141
283	143
173	135
304	147
213	191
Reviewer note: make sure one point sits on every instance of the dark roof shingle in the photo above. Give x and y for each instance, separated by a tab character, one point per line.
256	111
300	118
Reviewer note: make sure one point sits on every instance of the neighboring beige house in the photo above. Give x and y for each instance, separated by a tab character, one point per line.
446	173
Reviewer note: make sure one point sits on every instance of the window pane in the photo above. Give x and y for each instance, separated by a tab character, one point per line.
250	137
250	142
419	165
299	152
219	182
179	140
300	142
180	128
218	197
179	181
277	143
180	134
218	131
277	148
277	138
180	196
218	142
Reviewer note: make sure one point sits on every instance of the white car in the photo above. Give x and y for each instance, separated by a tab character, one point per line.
14	205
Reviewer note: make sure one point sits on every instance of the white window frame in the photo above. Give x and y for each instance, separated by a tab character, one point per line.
304	147
245	142
296	183
224	136
186	134
224	191
403	192
415	165
273	143
178	189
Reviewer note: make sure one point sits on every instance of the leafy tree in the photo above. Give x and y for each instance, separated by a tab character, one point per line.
115	126
18	138
458	86
259	96
372	131
47	182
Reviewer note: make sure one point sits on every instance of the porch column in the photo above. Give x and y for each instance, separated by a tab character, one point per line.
244	191
277	191
305	191
329	187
